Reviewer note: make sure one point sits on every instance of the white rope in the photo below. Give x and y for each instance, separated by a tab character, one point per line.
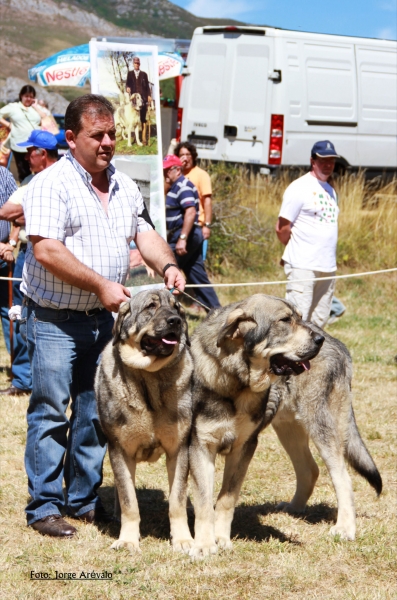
191	285
194	285
11	278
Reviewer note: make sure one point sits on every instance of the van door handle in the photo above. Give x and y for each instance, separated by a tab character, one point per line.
275	76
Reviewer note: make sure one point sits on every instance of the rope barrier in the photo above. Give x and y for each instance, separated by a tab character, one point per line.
284	281
11	278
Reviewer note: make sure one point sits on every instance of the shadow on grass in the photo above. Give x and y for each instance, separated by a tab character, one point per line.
316	513
153	508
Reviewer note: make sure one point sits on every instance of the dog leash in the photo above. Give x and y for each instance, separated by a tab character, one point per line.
191	297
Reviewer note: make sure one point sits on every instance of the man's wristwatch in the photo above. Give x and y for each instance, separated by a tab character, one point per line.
168	265
12	243
209	225
183	236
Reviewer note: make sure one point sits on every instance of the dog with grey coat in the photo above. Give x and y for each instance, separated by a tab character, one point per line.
318	406
143	389
239	351
257	362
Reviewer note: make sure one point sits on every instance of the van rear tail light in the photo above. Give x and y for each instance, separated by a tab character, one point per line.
276	139
179	125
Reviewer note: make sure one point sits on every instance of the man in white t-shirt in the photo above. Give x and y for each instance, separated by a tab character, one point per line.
308	227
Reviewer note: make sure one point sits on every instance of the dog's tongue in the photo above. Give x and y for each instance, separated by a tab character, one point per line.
168	341
305	364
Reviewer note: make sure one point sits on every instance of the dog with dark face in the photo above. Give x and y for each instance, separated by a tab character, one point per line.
143	389
239	351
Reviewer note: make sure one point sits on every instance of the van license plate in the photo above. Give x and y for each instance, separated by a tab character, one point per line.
204	144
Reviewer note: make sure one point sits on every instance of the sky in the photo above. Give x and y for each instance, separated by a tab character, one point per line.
364	18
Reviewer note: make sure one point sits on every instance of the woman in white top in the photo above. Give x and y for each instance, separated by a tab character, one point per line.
21	118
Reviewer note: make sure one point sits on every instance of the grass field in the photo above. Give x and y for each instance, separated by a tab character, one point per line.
274	555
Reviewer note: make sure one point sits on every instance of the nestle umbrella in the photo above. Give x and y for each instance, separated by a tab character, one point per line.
71	67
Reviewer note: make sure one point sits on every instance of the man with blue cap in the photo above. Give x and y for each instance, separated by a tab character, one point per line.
41	153
308	227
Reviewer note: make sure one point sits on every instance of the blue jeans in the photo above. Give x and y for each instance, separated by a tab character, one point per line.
64	348
192	265
20	368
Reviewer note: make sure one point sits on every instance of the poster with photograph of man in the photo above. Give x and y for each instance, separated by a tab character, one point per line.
127	75
132	87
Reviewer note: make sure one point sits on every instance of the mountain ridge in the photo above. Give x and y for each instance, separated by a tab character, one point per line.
32	30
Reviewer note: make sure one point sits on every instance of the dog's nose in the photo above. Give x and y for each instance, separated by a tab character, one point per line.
174	320
318	338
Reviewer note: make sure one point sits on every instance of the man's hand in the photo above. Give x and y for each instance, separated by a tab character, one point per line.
112	294
180	247
206	232
174	278
128	90
6	253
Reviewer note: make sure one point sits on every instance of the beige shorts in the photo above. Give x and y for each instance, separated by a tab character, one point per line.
313	298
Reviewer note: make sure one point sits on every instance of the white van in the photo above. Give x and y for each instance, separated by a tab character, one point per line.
264	96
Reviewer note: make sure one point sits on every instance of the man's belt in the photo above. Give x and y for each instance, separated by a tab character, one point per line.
90	313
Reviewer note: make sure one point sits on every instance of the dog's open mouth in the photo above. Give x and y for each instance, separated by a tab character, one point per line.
160	346
281	365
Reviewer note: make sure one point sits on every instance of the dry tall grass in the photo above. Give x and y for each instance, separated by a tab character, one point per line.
246	207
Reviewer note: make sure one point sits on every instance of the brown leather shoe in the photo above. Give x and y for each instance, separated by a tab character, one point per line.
54	525
95	515
14	391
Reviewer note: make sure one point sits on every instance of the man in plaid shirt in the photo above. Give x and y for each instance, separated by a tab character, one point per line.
81	215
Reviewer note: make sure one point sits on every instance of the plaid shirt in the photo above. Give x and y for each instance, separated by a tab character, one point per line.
60	204
7	188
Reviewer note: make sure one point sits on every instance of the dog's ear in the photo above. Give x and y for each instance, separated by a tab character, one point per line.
181	311
118	334
237	325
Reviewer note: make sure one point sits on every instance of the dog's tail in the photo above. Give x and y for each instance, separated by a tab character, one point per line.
359	458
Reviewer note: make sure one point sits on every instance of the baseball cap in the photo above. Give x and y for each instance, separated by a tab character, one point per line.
171	161
40	139
324	149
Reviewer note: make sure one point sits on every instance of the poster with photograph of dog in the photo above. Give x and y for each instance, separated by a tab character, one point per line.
127	75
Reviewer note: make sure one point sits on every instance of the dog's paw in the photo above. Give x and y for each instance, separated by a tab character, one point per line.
200	551
224	542
289	508
345	533
183	545
132	546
